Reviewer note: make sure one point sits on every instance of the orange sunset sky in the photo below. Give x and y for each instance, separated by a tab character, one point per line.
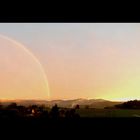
70	60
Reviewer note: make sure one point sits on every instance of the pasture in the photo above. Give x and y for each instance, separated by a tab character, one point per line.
89	113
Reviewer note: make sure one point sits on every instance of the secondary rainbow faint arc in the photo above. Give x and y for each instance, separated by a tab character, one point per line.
34	58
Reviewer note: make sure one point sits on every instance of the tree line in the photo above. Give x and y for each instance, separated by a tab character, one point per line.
37	111
132	104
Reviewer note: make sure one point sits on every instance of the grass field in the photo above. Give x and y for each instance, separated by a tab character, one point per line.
108	113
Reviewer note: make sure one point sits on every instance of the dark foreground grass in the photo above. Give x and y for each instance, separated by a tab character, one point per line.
92	124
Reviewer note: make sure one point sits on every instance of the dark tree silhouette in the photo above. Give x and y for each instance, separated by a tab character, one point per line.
62	113
54	112
44	115
77	107
12	106
71	114
133	104
1	106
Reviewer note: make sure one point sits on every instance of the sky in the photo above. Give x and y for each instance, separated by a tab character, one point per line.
79	60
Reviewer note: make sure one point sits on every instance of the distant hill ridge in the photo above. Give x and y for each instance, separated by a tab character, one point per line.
92	103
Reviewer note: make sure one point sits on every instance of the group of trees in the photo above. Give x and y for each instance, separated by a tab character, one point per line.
36	111
133	104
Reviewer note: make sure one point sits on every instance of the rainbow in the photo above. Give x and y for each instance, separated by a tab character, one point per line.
17	44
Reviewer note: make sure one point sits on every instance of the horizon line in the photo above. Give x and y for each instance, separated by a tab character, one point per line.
13	99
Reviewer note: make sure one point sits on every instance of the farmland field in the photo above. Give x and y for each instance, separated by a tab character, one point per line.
108	112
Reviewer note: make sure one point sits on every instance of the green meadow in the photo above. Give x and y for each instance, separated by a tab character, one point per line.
108	112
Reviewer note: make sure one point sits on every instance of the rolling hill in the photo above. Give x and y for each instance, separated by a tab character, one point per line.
91	103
